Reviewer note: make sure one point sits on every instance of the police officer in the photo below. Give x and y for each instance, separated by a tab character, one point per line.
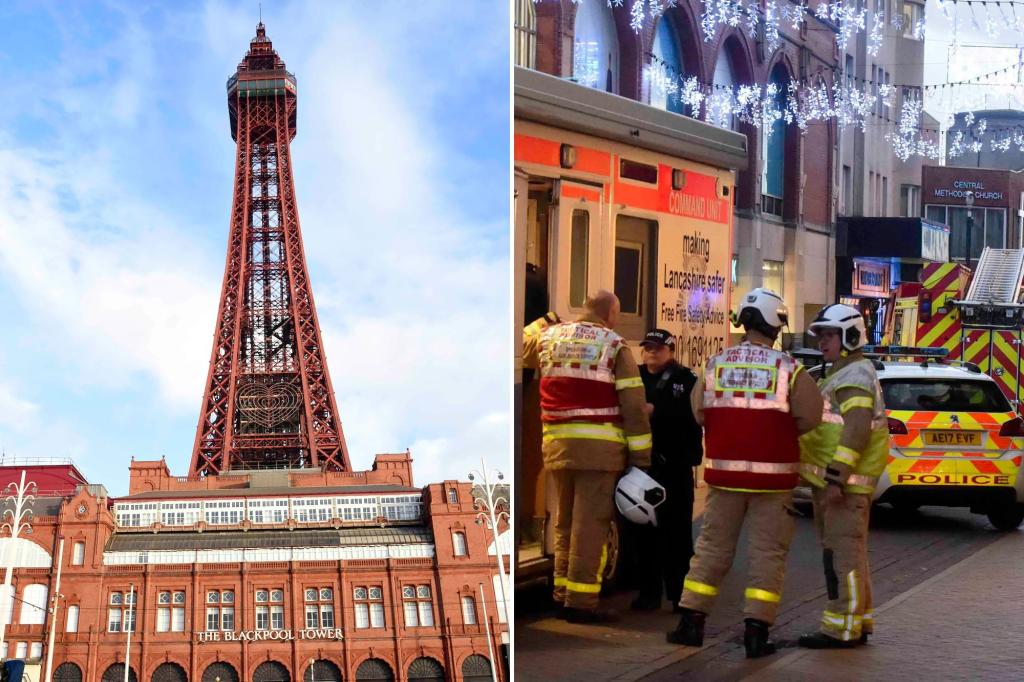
842	459
664	550
753	402
594	423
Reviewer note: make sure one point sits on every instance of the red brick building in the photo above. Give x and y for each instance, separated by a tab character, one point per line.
256	575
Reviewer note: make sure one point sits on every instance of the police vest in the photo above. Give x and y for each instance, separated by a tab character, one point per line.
577	370
818	448
750	437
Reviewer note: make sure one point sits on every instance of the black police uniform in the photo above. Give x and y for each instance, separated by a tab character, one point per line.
664	551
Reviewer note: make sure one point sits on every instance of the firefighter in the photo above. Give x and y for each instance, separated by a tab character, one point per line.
754	402
842	460
594	423
664	550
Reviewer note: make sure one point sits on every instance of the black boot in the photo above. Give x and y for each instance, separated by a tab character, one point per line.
690	630
755	639
819	640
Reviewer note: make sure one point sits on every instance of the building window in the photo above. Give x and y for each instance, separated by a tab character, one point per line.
718	107
319	607
595	50
666	72
773	150
847	208
459	542
773	276
33	604
911	24
526	34
72	619
989	228
269	609
418	606
78	554
885	197
369	607
220	610
35	650
170	612
468	611
21	650
910	201
453	496
121	612
579	257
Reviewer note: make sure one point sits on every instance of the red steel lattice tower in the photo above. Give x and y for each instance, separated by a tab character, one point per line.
268	401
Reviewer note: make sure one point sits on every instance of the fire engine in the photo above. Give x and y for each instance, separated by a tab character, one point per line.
613	194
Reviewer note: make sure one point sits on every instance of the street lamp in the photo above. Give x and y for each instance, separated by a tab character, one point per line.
491	506
20	496
969	200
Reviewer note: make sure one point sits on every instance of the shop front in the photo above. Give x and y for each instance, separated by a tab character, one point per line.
873	255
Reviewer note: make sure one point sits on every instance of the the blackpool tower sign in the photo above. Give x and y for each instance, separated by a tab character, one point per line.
268	400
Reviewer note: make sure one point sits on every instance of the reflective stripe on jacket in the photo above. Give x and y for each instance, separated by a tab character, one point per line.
750	436
819	447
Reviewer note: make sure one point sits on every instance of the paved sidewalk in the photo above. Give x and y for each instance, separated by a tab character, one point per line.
964	623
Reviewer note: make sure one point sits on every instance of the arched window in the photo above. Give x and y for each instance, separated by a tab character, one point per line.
33	604
271	671
425	669
668	60
170	672
321	670
526	34
374	669
68	672
459	544
773	149
476	668
115	673
220	670
719	101
595	50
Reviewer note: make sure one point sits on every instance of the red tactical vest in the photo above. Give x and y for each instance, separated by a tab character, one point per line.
750	437
577	373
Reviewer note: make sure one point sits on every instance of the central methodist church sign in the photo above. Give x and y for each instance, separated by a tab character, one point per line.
270	635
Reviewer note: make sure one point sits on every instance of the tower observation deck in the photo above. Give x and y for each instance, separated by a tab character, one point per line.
268	400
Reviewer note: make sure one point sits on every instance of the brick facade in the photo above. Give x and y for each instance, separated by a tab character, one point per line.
84	514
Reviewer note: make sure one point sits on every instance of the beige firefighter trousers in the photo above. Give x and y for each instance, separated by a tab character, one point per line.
843	529
769	528
583	518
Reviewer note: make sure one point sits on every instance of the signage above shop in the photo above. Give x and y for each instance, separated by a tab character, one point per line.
870	279
960	188
270	635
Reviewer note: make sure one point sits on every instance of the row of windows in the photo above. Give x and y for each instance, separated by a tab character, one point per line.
417	603
303	510
368	601
225	556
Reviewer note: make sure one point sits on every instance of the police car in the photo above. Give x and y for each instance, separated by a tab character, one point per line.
954	438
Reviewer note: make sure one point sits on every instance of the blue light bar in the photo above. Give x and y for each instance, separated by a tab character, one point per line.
893	351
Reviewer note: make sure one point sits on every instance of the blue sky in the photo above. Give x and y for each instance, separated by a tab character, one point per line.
116	165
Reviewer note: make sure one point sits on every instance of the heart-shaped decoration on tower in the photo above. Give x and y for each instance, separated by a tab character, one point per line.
269	404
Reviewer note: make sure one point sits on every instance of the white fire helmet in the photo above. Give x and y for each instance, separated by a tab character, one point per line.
760	307
637	495
847	320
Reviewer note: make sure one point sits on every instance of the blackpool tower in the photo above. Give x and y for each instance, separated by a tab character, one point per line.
268	400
